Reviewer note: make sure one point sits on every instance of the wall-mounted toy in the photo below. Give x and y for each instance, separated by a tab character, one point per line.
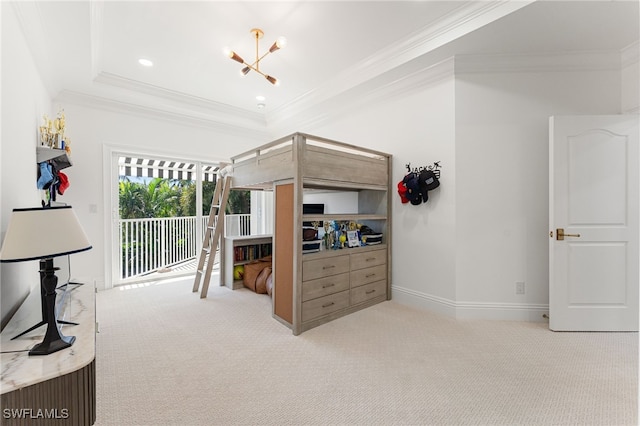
415	186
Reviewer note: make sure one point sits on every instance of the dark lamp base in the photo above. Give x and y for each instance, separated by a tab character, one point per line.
46	348
53	339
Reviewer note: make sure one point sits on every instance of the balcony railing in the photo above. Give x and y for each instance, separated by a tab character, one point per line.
150	245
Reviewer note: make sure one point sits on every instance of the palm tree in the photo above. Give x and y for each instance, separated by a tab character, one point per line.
162	198
157	199
131	199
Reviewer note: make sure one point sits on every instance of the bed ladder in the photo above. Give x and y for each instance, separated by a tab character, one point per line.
212	235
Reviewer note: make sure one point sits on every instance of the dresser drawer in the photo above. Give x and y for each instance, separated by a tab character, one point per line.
319	268
368	275
368	291
324	305
367	259
323	286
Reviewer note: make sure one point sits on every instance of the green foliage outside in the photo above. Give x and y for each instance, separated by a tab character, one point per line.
162	198
172	198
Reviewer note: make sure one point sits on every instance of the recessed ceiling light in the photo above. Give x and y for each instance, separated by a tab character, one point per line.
260	98
145	62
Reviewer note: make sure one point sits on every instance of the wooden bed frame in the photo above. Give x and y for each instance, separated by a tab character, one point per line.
319	161
298	162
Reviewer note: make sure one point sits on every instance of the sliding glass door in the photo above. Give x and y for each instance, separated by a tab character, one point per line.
162	204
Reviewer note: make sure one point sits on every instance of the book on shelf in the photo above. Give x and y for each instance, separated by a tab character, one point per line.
251	252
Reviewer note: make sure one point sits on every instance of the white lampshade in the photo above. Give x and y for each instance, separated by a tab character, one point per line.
42	233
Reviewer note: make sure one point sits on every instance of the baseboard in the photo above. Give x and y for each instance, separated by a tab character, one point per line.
471	310
502	311
425	301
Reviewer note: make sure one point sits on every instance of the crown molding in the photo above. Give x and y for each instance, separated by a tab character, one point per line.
411	77
189	117
539	62
179	98
394	84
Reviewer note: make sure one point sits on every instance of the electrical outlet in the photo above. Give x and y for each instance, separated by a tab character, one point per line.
519	287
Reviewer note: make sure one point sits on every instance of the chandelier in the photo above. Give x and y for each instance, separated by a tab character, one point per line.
255	66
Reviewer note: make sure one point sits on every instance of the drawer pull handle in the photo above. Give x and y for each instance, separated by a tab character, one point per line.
370	292
328	304
329	267
328	285
369	259
370	275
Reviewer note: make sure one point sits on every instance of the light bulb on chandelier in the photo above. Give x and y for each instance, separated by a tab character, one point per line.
277	45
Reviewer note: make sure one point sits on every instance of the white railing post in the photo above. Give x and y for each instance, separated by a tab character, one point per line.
163	238
124	243
145	230
137	242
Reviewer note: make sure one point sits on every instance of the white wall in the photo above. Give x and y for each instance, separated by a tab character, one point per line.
485	227
24	101
502	181
417	128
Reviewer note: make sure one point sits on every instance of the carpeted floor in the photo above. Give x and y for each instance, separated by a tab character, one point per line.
167	357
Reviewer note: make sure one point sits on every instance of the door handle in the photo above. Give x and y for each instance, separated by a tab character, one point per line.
560	234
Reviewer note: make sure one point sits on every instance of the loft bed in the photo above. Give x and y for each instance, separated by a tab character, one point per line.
312	289
317	161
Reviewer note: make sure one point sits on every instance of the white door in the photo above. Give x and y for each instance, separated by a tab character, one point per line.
593	188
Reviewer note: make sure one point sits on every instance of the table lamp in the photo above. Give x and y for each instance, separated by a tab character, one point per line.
42	234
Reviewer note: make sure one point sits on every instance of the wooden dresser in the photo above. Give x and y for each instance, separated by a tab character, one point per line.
336	282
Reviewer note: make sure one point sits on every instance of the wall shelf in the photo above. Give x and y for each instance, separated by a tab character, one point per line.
343	217
59	157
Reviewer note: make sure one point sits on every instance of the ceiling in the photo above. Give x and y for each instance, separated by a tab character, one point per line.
92	47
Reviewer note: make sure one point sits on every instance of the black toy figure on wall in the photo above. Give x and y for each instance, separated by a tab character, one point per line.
415	186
